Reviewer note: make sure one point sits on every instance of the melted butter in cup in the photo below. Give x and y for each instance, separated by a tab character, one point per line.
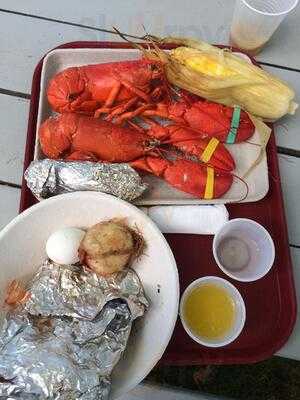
212	311
209	311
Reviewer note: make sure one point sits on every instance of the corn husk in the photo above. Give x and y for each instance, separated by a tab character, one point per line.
219	75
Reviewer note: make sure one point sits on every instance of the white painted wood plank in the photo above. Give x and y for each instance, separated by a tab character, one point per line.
289	171
163	18
26	41
9	204
283	48
292	348
13	129
146	391
207	20
287	129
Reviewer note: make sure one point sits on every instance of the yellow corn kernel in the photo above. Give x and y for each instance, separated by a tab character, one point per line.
208	67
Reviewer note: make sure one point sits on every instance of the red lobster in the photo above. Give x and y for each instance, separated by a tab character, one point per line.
63	135
76	136
102	88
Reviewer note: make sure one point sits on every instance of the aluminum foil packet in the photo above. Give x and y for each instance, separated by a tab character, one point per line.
46	178
64	342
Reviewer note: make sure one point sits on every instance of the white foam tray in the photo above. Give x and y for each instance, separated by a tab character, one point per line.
159	192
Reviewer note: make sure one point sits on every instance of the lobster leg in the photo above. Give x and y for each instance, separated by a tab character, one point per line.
160	110
114	92
113	111
196	179
120	109
138	92
131	114
109	101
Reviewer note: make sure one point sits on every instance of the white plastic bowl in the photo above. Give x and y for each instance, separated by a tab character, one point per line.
22	249
260	247
240	309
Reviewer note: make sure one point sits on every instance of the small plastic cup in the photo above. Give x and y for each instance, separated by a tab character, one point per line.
243	250
255	21
240	312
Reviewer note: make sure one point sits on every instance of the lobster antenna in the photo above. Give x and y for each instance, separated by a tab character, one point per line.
252	143
145	30
224	171
151	38
123	36
245	183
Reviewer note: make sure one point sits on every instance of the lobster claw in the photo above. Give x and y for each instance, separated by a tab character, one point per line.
208	150
199	180
214	119
207	118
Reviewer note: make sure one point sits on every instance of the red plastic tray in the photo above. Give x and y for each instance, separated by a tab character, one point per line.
270	302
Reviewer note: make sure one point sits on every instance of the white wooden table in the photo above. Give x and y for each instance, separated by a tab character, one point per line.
30	28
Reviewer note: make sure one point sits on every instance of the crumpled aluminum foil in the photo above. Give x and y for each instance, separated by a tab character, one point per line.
65	341
46	178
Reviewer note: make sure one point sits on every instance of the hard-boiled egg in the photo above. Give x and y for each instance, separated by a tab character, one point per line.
62	245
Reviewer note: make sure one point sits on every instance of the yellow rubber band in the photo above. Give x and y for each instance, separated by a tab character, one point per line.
209	150
209	187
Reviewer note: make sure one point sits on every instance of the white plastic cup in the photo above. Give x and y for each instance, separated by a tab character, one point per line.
244	250
255	21
240	315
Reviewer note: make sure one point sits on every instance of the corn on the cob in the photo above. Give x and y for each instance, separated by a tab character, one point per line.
219	75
